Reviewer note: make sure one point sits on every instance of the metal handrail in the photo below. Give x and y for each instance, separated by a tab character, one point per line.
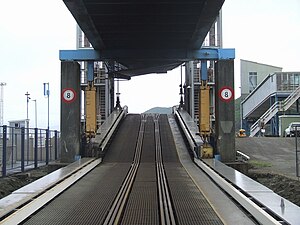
274	109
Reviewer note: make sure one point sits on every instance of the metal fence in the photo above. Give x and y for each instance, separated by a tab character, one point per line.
297	150
26	148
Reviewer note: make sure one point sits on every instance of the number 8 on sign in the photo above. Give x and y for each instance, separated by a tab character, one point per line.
226	94
68	95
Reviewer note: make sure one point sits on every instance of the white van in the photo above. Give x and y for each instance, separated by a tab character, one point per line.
291	130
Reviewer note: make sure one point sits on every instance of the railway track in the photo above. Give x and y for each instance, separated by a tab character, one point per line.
166	213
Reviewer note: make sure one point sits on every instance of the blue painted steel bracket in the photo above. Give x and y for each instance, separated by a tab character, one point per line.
90	71
164	55
203	73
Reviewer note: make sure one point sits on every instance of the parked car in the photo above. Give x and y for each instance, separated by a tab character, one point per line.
291	130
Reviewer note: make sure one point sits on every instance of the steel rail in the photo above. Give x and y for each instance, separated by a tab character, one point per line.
165	204
118	206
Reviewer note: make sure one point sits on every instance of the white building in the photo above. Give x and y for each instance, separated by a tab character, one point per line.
253	73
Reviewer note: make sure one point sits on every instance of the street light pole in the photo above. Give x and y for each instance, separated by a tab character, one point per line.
47	94
27	126
27	99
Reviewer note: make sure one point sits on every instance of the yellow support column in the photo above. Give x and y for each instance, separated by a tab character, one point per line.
91	115
204	121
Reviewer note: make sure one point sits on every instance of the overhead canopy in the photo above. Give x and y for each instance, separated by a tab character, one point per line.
120	27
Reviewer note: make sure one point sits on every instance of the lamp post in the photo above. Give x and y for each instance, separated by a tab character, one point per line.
2	84
27	126
27	99
47	94
35	112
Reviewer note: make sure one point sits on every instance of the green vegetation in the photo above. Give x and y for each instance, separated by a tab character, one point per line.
256	164
237	115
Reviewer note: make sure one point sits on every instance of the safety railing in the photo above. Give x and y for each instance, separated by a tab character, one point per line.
274	109
27	148
297	150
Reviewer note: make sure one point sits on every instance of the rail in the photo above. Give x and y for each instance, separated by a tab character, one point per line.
118	206
106	131
195	145
274	109
165	204
23	148
120	115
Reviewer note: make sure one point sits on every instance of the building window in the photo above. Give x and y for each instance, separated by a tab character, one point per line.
252	81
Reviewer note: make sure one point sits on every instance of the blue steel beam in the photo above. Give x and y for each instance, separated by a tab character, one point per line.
164	55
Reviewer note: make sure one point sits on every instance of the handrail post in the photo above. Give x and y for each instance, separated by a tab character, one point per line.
4	139
23	149
47	146
35	147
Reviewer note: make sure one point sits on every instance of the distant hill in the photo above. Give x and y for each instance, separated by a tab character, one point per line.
160	110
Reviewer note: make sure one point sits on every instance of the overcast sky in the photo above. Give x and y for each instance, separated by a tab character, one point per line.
32	32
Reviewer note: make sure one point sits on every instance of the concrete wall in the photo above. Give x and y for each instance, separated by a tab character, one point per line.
225	121
70	112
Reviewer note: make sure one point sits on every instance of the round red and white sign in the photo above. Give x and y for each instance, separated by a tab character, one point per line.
226	94
68	95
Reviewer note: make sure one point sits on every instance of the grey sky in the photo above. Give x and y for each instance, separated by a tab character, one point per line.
33	31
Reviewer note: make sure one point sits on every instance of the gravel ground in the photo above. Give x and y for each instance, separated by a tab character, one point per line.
13	182
286	187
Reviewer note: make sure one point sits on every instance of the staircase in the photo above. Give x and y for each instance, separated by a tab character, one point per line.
279	106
